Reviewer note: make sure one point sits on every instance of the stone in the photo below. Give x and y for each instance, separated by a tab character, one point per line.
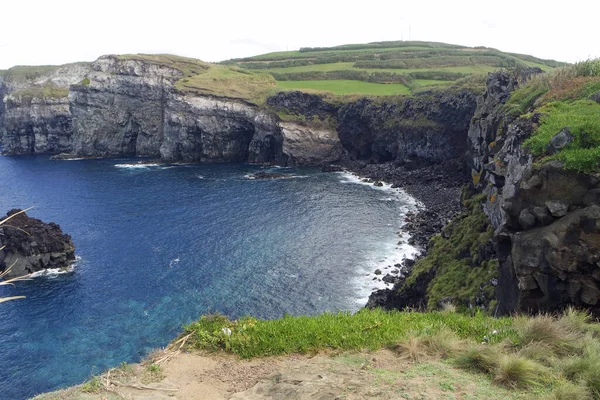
378	184
592	197
557	208
542	215
595	97
527	283
378	272
560	141
590	293
596	275
526	219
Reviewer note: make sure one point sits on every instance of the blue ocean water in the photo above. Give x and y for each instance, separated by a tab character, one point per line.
160	245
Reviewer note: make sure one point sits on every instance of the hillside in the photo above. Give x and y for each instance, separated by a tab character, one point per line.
404	67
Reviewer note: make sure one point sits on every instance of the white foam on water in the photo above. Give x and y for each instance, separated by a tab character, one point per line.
386	255
52	272
136	166
174	262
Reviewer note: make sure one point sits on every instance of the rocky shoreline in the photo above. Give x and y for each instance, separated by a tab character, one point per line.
437	188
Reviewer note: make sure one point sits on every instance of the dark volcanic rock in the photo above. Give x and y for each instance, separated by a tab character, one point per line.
545	218
429	128
32	245
302	104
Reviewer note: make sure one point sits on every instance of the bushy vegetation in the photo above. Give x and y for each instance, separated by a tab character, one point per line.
582	118
461	277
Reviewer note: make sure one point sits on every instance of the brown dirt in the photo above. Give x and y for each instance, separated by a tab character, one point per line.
324	376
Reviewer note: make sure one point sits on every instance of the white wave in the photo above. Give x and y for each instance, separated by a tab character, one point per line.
384	256
72	159
52	272
136	166
174	262
199	176
399	194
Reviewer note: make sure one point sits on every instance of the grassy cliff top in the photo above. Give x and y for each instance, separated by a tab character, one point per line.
384	68
567	97
437	355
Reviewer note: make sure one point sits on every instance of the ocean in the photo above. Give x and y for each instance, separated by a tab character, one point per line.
159	245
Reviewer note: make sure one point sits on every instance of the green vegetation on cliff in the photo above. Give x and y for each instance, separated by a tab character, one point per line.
566	98
462	275
47	91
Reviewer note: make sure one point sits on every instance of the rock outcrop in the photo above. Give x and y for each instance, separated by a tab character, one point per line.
545	218
30	245
427	128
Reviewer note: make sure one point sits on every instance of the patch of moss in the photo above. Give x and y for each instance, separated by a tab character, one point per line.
461	276
85	81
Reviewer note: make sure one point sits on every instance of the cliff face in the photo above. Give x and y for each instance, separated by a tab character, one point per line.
546	218
429	127
30	245
118	106
35	116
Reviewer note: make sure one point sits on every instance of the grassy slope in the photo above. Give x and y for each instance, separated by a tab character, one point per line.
408	61
561	96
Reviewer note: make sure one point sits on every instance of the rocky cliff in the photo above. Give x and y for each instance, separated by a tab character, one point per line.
429	127
545	217
139	107
30	245
528	238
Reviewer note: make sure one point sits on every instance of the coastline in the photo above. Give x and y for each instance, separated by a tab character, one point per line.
384	266
437	190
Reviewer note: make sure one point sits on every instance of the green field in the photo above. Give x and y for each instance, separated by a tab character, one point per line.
414	65
342	87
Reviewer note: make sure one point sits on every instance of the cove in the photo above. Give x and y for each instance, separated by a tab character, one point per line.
160	245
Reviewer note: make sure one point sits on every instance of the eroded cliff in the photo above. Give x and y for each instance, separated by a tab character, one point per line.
142	106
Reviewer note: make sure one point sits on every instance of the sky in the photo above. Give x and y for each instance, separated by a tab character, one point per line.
45	32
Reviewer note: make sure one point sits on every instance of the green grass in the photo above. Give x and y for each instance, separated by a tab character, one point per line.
371	329
342	87
582	117
230	82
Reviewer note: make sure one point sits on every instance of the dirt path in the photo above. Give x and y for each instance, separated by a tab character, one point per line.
325	376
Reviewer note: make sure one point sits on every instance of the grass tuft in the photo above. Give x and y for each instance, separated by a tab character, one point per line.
480	358
518	372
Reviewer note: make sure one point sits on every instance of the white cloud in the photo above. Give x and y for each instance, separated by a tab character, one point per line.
61	31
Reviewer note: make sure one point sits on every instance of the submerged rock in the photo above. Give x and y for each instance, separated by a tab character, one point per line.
31	245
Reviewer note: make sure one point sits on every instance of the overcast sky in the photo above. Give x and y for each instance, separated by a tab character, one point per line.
36	32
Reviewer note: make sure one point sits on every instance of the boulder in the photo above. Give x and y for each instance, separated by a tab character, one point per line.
560	141
31	245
